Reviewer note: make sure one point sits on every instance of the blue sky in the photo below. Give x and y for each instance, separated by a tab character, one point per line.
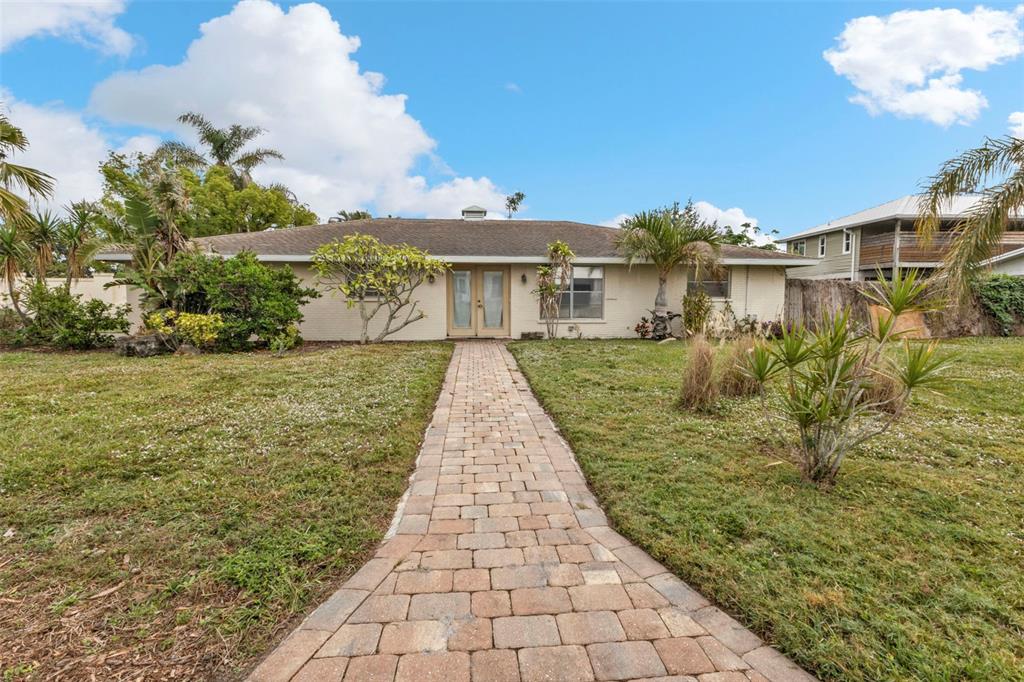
592	109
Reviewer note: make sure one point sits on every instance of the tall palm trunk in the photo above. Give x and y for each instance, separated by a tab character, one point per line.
661	299
660	322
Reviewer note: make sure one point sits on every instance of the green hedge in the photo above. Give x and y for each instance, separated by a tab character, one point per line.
1002	296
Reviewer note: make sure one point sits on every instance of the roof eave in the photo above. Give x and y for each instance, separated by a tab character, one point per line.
529	260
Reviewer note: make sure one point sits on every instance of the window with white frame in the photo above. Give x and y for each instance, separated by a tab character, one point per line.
800	247
821	246
714	284
847	241
583	299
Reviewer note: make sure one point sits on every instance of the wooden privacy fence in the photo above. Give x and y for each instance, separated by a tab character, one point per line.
807	300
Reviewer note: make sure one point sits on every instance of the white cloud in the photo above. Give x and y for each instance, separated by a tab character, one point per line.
513	88
908	63
734	218
616	221
67	147
346	143
88	22
1016	120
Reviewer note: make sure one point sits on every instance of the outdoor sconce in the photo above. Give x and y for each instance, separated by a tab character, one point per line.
523	278
430	278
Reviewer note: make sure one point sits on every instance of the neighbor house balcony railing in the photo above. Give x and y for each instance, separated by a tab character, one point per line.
881	251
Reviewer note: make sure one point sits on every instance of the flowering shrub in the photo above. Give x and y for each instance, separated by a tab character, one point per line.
196	329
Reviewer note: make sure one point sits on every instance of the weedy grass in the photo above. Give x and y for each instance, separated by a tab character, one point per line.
173	514
910	567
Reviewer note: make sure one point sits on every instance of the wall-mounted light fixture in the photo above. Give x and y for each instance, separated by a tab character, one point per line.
430	278
523	278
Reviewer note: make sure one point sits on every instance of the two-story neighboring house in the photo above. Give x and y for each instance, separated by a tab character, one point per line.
882	238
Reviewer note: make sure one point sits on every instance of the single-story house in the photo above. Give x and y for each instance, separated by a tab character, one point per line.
883	237
488	292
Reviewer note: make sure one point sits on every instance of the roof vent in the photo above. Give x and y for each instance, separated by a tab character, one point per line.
474	213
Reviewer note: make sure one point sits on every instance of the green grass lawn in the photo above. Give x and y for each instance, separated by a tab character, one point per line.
173	514
911	567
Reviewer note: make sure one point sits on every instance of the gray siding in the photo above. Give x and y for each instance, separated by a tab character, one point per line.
834	264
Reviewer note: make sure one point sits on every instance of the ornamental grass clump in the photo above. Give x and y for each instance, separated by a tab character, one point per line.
832	391
700	390
735	382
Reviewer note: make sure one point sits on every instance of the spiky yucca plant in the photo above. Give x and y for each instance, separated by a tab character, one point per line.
829	373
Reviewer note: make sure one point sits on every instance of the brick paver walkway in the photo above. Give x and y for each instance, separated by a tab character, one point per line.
500	566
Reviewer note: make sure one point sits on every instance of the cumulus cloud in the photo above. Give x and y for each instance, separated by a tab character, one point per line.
734	218
346	143
616	221
909	63
1016	120
63	144
90	23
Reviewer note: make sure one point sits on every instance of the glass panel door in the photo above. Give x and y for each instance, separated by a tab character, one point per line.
462	299
494	299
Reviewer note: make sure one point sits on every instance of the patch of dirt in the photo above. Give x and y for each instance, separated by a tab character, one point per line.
101	636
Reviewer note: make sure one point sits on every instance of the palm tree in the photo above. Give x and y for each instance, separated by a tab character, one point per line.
41	232
37	184
669	238
13	254
224	147
977	234
168	202
346	216
78	239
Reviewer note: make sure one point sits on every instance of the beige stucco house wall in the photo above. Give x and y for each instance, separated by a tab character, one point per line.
757	278
628	295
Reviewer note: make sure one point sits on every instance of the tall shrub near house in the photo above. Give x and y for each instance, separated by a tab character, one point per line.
256	303
58	318
829	376
377	278
552	280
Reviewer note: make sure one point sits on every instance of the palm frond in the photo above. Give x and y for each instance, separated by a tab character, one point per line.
256	157
976	237
199	122
966	173
183	155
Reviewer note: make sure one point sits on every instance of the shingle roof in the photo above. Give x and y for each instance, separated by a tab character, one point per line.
452	238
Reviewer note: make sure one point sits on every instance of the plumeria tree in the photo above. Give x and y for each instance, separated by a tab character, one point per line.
552	281
377	278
